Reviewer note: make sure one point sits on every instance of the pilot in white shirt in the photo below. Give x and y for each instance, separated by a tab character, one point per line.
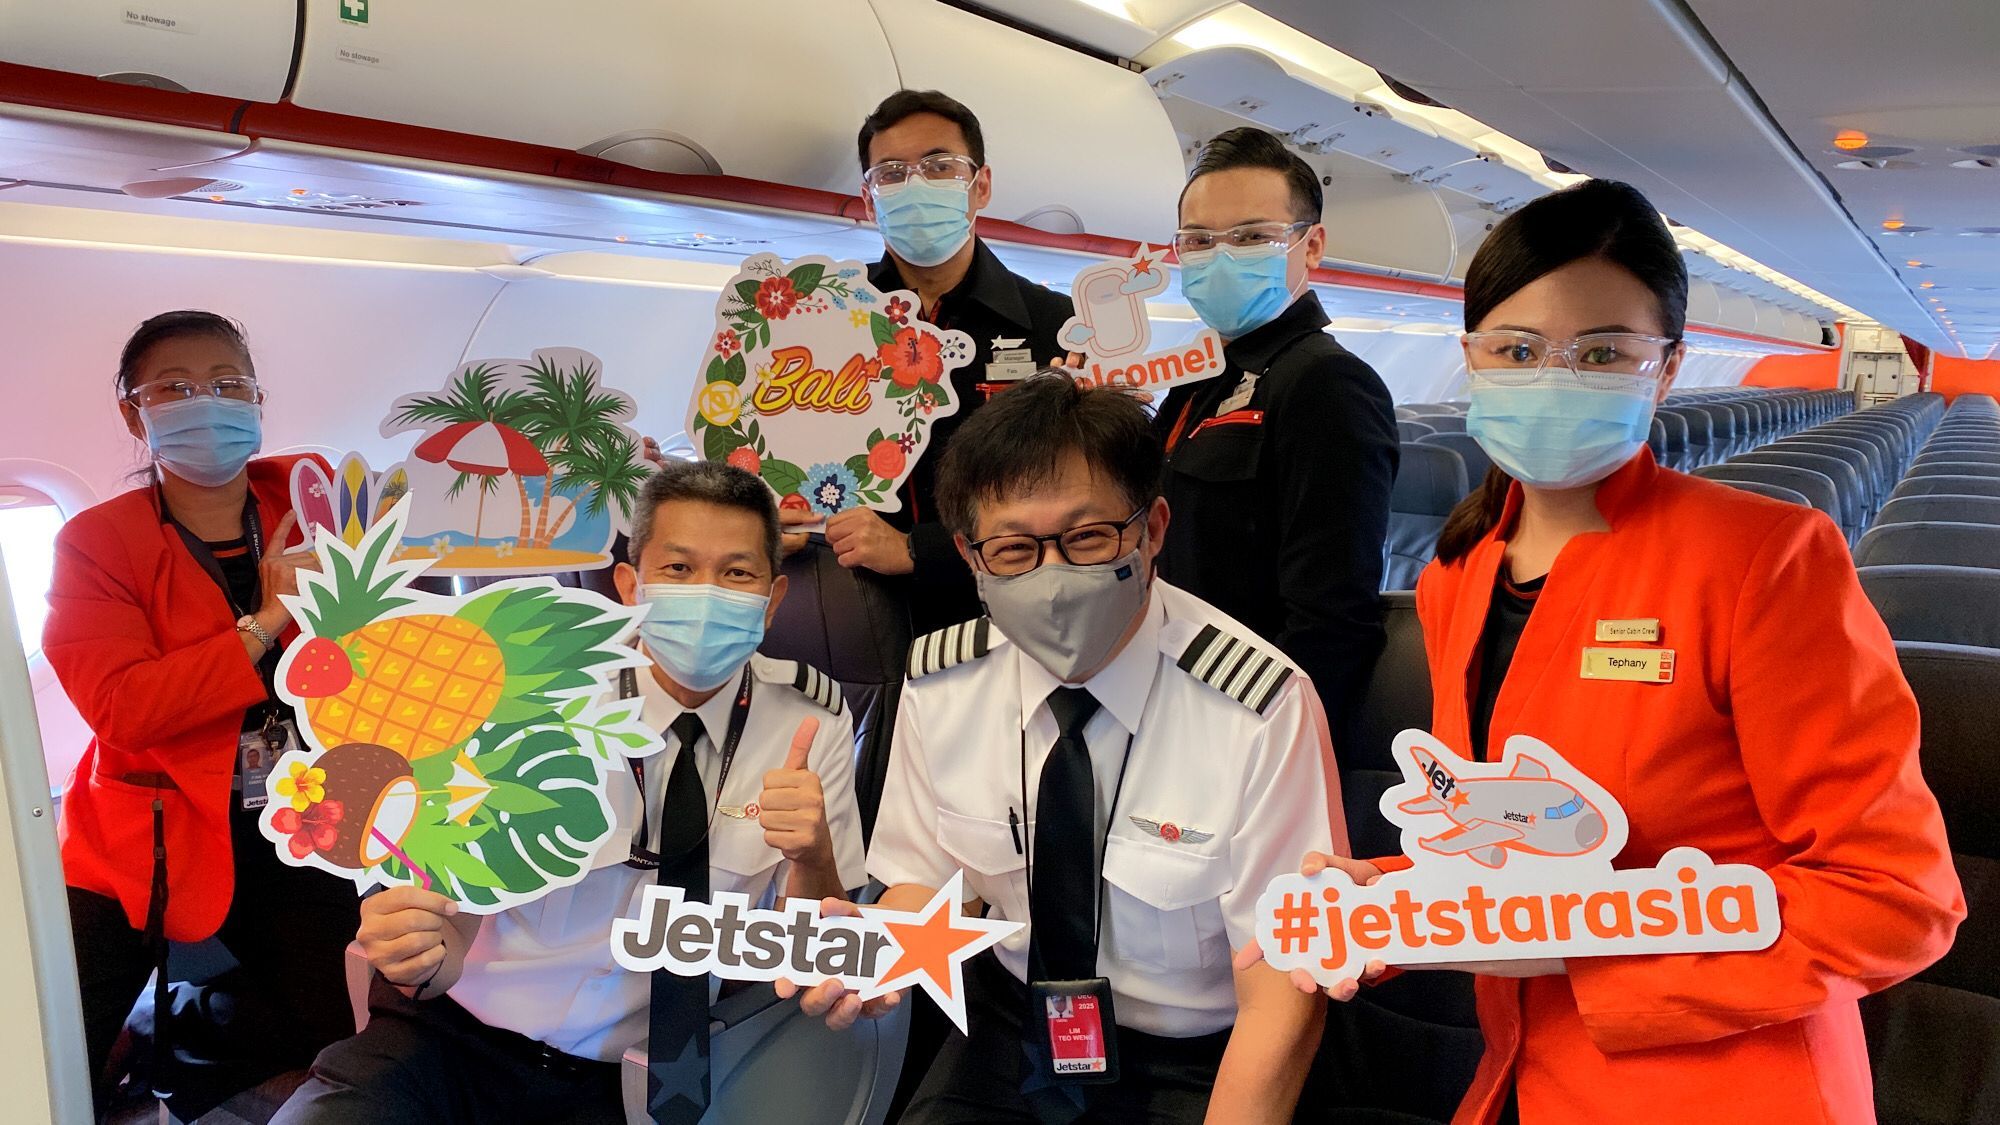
524	1015
1203	764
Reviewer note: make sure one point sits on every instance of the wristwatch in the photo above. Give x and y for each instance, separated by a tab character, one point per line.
248	624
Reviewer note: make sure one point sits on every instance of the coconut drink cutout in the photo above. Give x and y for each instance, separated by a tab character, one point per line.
457	743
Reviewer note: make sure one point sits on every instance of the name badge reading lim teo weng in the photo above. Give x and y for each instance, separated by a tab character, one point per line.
1630	629
1640	665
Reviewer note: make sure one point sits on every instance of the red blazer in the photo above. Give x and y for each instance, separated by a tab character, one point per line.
146	646
1787	739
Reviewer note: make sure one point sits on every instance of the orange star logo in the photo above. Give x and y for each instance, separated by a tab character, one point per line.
1143	265
932	946
1458	800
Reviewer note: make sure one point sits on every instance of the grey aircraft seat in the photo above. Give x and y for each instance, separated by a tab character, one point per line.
772	1062
1874	489
1701	447
1921	1074
1940	467
1938	544
854	626
1405	1050
1775	492
1865	454
1892	463
1677	438
1948	509
1656	439
1960	451
1430	481
1468	450
1954	605
1816	487
1410	431
1942	485
1444	423
1854	498
1405	414
1425	410
1722	429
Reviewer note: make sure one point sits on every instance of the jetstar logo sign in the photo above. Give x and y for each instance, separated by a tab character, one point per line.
877	953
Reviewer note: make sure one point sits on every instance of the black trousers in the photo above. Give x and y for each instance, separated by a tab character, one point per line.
977	1078
288	929
431	1062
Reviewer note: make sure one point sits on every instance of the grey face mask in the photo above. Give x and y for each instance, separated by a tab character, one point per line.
1067	618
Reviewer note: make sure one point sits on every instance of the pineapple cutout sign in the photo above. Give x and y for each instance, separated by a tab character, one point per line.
462	743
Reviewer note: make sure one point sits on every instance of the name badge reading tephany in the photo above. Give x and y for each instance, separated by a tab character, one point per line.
1639	665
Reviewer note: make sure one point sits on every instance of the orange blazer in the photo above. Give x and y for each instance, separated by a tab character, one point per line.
1787	738
145	644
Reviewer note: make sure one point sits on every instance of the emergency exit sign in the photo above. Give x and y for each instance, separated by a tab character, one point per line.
354	11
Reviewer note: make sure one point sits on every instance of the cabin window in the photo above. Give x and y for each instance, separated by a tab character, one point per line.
29	521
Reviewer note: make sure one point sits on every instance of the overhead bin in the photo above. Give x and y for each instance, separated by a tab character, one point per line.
234	48
1318	117
772	90
1378	222
1076	144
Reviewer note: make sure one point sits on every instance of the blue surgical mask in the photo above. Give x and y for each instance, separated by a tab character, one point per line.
1237	291
701	635
204	440
1555	435
925	223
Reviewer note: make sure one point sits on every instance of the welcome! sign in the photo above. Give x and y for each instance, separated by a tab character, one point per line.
1510	860
1115	335
821	384
873	954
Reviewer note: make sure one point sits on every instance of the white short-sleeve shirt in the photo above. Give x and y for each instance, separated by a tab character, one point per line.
1225	789
544	969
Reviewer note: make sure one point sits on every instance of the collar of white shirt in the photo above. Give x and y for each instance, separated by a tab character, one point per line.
1120	687
661	709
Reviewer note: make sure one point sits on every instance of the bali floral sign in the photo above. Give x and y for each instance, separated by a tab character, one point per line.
822	385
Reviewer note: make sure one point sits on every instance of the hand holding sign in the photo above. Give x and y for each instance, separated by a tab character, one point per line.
1510	873
839	1005
403	933
860	538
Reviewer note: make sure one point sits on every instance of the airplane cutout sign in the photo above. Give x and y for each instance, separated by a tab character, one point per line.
1528	810
1509	860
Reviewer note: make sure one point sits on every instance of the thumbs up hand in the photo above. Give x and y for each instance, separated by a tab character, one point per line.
792	811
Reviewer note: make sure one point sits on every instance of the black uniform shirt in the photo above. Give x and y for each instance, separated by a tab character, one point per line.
1506	619
1280	504
991	303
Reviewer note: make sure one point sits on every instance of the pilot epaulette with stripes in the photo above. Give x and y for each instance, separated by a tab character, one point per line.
818	686
1239	669
801	677
934	652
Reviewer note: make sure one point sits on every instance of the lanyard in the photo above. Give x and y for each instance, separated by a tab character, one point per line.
1110	819
253	534
739	716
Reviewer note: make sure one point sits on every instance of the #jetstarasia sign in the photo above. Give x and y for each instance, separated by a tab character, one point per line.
873	954
1510	860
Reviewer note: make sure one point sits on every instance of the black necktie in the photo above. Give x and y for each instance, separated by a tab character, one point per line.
677	1045
1062	900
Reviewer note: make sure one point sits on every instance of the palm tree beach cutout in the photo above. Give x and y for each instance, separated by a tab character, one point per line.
548	427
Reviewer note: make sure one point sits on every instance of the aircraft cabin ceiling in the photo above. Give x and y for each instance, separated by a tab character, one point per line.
1729	115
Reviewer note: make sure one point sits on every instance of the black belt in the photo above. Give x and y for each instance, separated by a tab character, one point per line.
530	1052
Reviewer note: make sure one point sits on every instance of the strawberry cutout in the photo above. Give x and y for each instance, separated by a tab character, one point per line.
320	669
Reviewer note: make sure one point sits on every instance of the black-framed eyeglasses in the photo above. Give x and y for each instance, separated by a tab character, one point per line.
1090	544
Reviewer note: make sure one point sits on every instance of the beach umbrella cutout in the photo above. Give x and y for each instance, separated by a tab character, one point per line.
484	449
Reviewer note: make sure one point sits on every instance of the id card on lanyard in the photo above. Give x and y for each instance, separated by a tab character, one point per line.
1072	1027
257	750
